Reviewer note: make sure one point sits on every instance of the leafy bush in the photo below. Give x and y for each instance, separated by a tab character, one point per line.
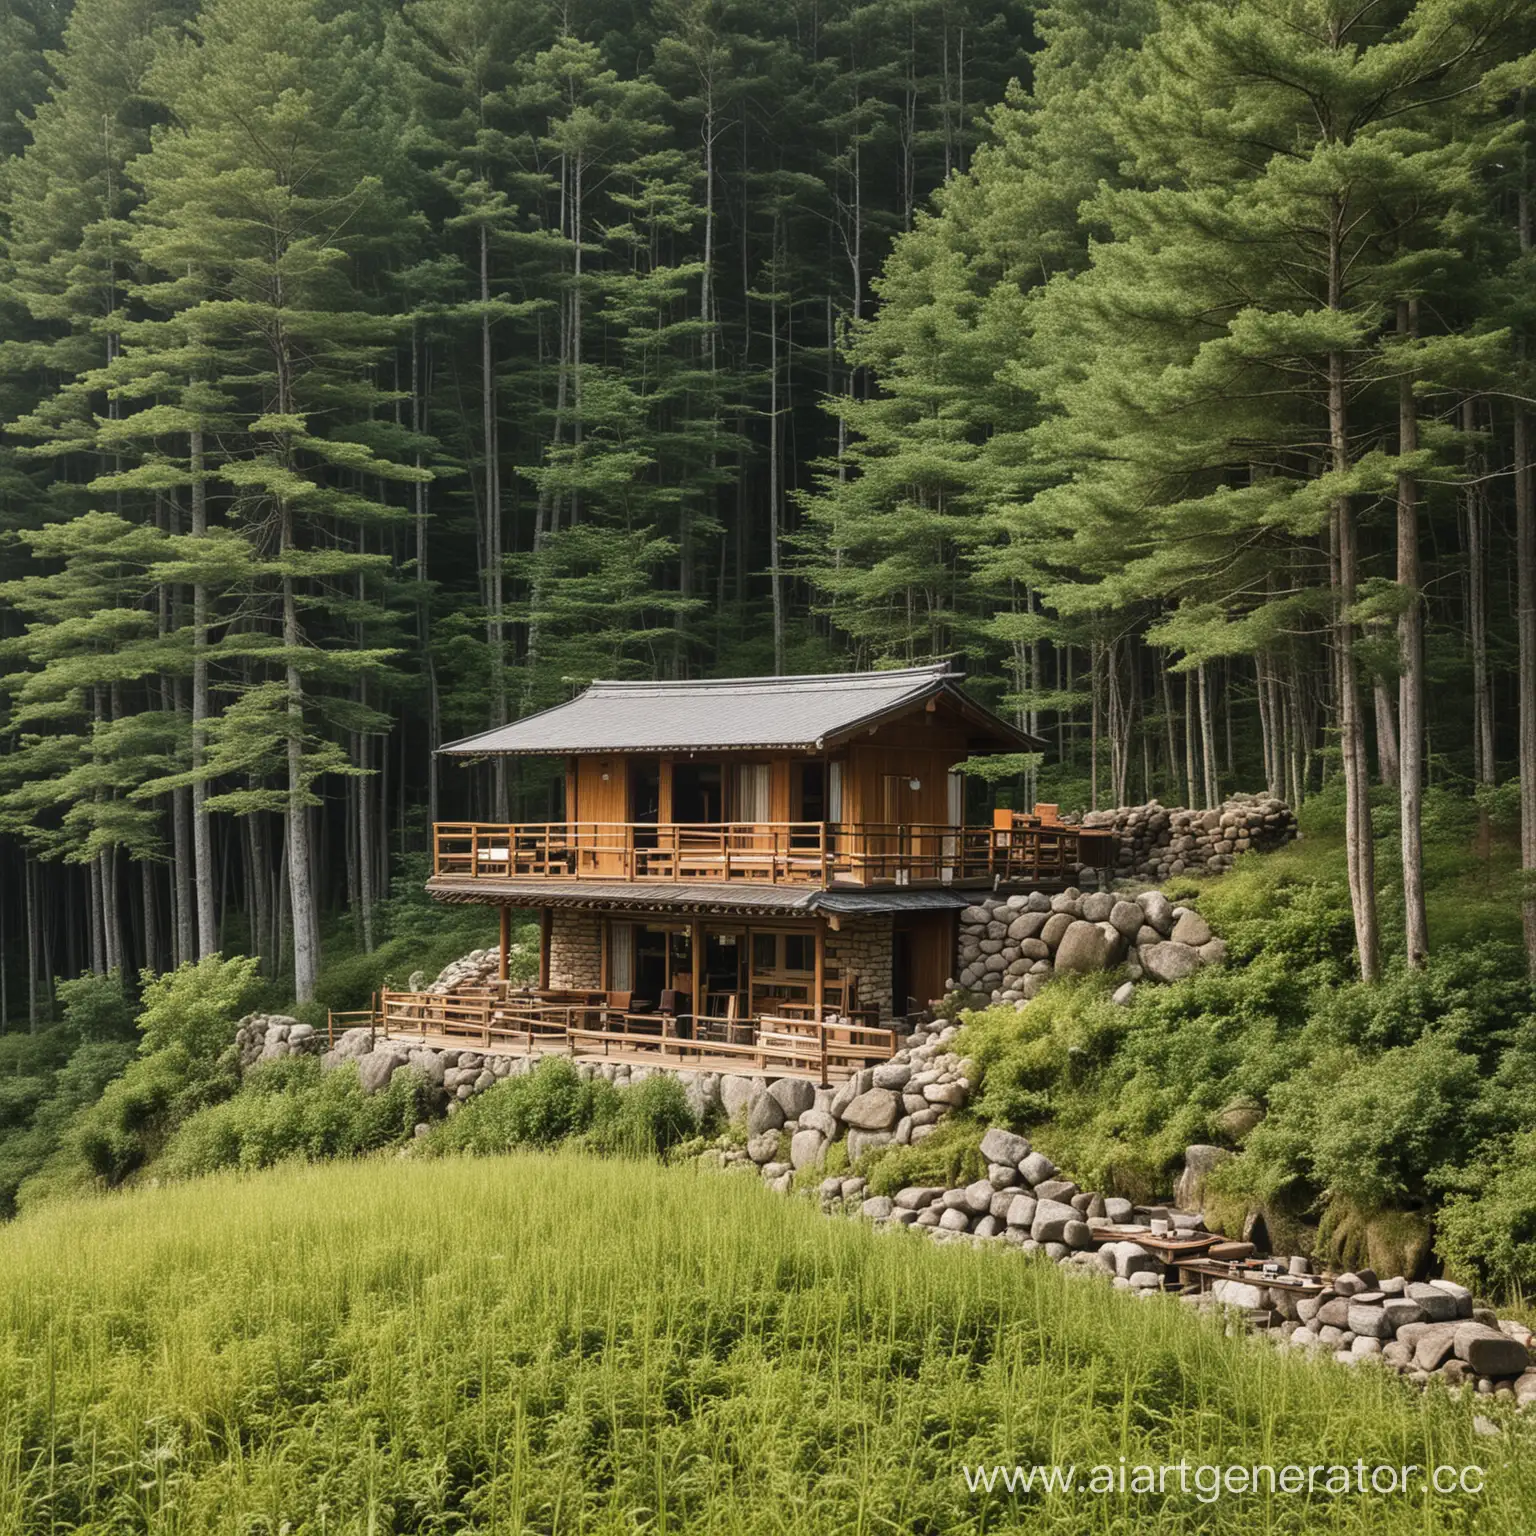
951	1156
294	1109
555	1104
96	1007
648	1120
185	1063
1487	1227
550	1105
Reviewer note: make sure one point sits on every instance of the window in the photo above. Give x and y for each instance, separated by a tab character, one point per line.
783	954
799	953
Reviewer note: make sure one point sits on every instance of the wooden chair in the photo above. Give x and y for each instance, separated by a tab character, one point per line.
1048	814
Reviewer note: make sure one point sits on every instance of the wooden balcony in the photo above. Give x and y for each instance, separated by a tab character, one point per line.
811	853
587	1026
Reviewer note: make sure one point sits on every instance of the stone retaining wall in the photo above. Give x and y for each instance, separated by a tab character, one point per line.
1010	946
862	948
1157	843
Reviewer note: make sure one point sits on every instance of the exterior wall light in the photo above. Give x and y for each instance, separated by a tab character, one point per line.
914	783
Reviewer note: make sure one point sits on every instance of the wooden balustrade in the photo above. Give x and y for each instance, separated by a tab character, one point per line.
785	852
496	1019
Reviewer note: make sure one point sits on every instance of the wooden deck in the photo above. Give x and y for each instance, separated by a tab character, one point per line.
810	853
497	1021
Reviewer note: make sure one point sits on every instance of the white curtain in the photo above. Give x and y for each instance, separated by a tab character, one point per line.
752	791
956	818
834	792
621	957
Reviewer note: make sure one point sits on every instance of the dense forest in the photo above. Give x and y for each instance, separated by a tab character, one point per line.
372	375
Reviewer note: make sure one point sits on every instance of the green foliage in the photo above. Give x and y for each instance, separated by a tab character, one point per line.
951	1156
554	1104
184	1064
96	1008
293	1109
541	1109
1486	1229
521	1322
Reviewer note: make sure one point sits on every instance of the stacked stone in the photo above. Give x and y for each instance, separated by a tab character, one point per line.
1157	843
575	948
1024	1201
1010	946
861	949
901	1101
261	1037
476	969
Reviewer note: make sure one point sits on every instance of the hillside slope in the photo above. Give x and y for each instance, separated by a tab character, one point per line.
556	1344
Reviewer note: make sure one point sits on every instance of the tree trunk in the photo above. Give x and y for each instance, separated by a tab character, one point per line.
1525	625
1410	688
202	836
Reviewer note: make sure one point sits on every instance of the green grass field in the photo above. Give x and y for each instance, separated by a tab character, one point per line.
564	1344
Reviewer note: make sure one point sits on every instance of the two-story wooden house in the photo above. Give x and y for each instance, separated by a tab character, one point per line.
745	861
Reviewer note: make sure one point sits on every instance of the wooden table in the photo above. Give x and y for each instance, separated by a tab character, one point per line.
1170	1248
1206	1272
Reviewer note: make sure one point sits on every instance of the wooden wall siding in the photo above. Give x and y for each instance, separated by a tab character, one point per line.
932	936
864	787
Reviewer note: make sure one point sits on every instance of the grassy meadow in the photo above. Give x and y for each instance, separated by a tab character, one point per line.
555	1343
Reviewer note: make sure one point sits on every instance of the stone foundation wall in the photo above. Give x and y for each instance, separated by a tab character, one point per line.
1157	843
575	949
862	948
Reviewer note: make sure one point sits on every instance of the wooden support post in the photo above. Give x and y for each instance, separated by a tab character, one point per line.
546	923
506	942
820	971
696	953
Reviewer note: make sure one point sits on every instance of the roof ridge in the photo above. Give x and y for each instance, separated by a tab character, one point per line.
927	672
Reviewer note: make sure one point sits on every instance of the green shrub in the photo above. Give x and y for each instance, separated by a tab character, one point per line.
549	1105
185	1063
1486	1230
949	1157
97	1007
294	1109
648	1120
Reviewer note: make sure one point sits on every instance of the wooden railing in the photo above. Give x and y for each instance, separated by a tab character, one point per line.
496	1019
780	852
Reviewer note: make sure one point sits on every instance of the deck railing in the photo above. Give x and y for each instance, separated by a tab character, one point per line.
774	853
503	1020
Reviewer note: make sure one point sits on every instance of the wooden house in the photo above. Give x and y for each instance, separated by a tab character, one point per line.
738	861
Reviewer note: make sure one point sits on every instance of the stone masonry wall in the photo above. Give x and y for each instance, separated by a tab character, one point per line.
575	949
1157	843
862	948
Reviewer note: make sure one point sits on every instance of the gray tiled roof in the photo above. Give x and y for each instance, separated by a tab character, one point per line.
775	713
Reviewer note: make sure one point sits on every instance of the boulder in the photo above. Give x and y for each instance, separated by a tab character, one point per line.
1118	1210
1169	961
795	1095
1037	1168
1051	1218
1488	1352
917	1197
877	1208
978	1197
376	1068
1000	1146
1200	1160
736	1093
1158	910
1127	917
763	1147
860	1142
877	1110
1123	994
1368	1321
1192	929
955	1221
1055	926
1076	1234
807	1148
1458	1293
1097	906
1056	1189
892	1074
1238	1293
1021	1211
764	1113
1083	949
